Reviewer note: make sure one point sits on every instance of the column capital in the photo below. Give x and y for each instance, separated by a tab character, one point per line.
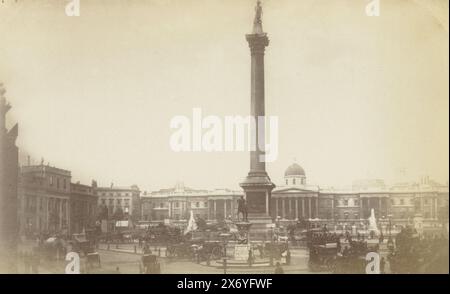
257	43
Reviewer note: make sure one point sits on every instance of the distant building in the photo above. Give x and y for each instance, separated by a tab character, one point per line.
50	204
44	199
83	207
177	203
297	200
400	203
118	203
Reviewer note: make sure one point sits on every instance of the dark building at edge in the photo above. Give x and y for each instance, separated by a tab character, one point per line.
9	169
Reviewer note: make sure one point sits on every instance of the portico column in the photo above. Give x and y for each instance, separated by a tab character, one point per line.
289	208
276	208
332	208
437	207
379	207
293	208
60	206
215	209
225	209
309	207
303	207
232	208
361	207
209	208
317	207
296	208
283	213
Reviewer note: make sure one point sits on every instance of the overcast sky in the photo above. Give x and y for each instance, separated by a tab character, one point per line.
357	96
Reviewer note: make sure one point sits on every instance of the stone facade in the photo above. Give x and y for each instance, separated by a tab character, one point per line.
177	203
297	200
9	165
118	203
399	203
83	207
44	200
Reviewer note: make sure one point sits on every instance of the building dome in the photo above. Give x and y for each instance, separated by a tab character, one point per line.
294	170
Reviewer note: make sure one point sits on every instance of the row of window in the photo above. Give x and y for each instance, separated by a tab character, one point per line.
401	201
296	181
394	201
115	194
176	205
59	184
118	201
348	202
125	209
31	203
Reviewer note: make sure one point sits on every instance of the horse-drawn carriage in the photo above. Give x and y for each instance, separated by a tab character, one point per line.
353	257
201	250
199	245
93	260
162	234
81	244
323	257
181	250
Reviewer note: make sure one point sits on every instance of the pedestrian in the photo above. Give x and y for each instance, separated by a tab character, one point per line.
278	269
382	265
288	257
250	258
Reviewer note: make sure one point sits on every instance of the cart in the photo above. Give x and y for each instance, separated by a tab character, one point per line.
93	260
323	257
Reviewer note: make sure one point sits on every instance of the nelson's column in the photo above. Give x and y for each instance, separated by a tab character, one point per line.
257	185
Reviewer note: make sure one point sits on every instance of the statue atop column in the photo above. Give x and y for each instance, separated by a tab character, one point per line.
257	22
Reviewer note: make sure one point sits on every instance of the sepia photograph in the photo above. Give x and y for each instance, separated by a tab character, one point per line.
224	137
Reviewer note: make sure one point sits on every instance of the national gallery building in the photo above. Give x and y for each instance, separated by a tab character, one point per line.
296	200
